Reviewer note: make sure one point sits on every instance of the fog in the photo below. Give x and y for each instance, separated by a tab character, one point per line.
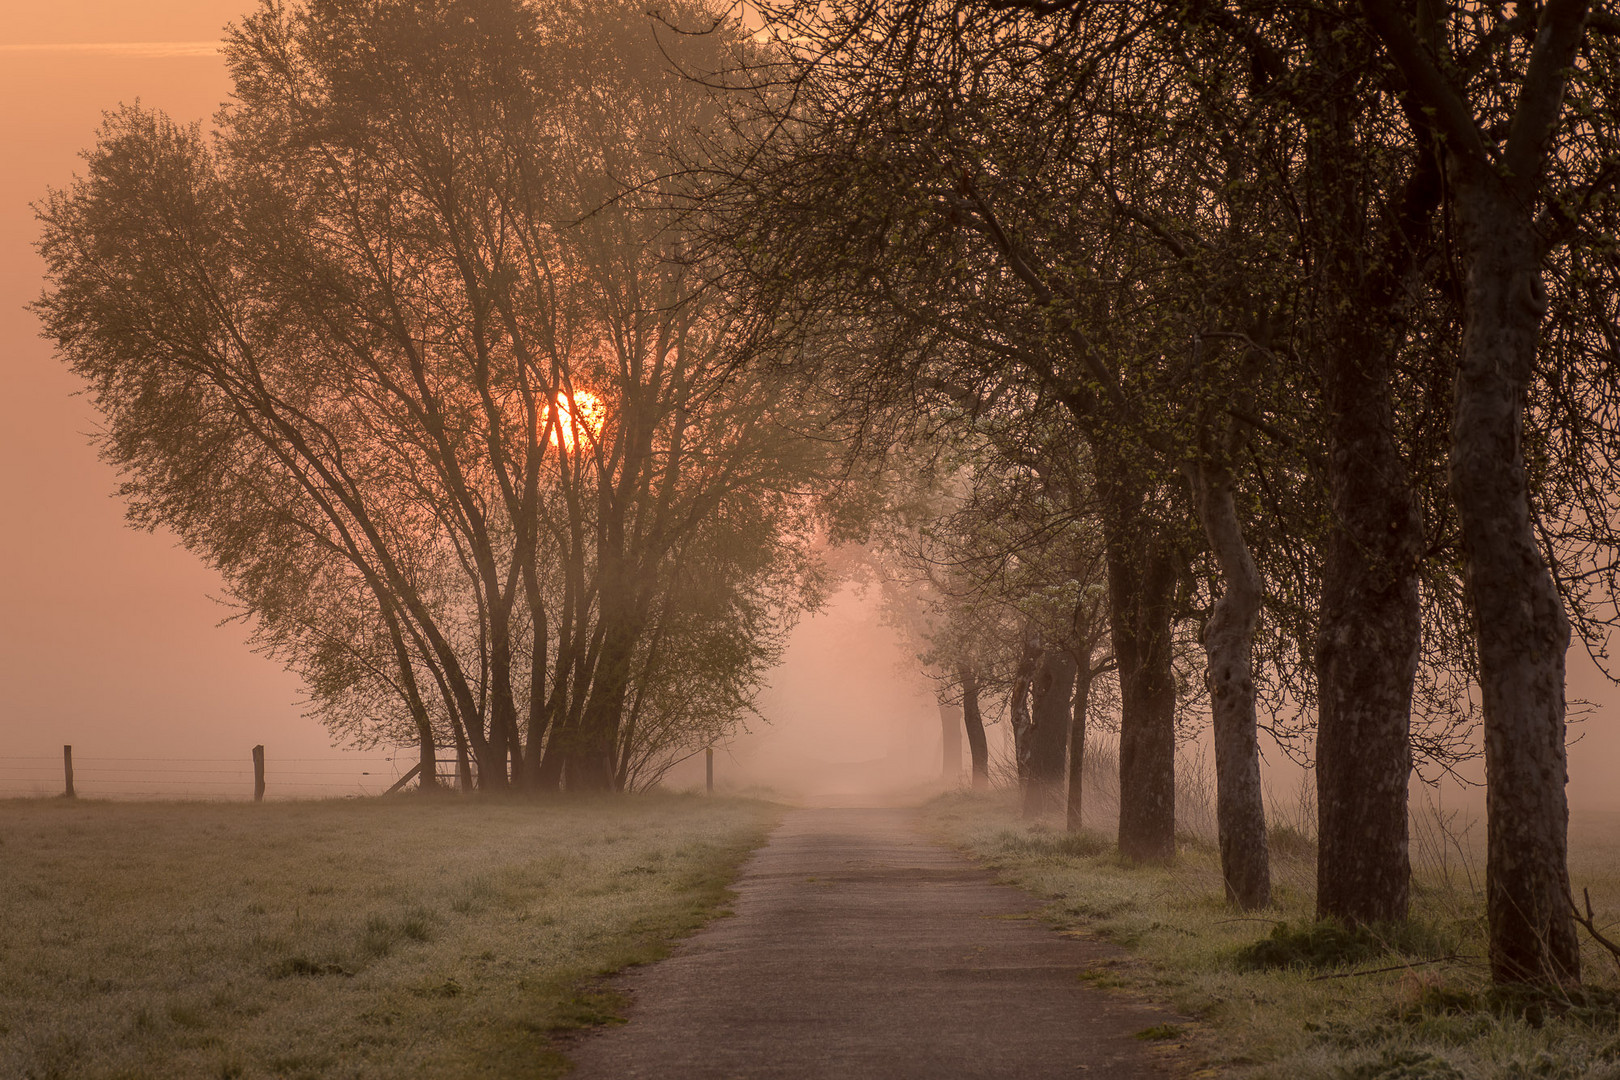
848	716
109	639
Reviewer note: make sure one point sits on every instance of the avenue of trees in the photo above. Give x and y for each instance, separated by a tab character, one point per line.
1283	273
1247	359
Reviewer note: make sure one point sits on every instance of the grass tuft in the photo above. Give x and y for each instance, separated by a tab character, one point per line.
590	1006
1322	945
1404	1065
302	967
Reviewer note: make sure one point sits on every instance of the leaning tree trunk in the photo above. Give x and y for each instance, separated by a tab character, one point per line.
1077	744
1229	647
1520	619
1049	736
427	759
1141	595
973	720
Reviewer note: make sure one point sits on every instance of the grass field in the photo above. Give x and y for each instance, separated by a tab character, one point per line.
362	938
1322	1015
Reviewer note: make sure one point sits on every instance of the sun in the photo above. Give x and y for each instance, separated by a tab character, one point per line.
579	415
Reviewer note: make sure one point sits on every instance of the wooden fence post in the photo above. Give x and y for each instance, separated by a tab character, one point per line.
258	773
407	778
708	768
67	770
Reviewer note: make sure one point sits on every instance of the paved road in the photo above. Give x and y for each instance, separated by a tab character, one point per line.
861	949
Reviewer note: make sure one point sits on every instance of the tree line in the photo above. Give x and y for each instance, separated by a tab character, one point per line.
512	360
1323	296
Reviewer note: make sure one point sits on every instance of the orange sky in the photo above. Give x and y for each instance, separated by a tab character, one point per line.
108	638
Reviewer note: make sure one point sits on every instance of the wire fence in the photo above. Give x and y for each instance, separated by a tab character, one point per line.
355	774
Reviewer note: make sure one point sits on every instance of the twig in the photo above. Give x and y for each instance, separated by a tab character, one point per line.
1393	967
1589	921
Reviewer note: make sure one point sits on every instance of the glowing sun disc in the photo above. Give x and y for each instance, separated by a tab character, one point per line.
578	414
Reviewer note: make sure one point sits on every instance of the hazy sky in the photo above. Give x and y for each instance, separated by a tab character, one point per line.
108	638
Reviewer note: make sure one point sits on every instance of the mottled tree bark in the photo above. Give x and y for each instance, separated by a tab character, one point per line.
1523	631
973	720
1077	745
464	773
1229	648
1141	594
1522	627
1367	644
1053	690
1369	629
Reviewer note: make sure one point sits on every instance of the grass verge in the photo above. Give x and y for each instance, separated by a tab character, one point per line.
1279	997
378	938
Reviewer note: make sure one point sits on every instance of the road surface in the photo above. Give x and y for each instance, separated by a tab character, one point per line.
858	949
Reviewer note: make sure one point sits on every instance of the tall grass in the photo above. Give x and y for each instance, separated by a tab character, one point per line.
1275	995
376	938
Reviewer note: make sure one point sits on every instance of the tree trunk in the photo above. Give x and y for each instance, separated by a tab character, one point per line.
1077	744
950	729
593	748
1049	736
1369	629
464	775
427	755
1520	619
1141	594
1023	724
1229	648
973	720
1367	644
